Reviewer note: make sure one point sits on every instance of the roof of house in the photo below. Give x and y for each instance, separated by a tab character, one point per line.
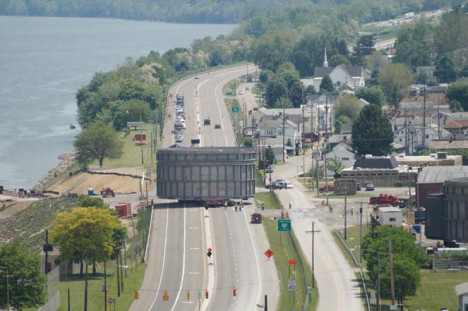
448	145
439	174
461	289
376	162
276	123
456	124
389	209
343	145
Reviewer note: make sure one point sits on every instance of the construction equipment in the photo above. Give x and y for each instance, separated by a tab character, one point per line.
107	191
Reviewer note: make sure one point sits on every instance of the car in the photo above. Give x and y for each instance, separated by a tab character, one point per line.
207	121
240	92
197	77
269	169
288	185
330	188
179	138
370	187
247	88
217	126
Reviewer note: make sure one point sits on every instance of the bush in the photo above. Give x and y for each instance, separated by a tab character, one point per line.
398	184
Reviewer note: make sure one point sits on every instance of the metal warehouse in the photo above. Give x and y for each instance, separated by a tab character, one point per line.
205	173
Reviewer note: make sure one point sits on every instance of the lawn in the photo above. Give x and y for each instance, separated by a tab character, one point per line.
265	197
75	283
436	290
132	154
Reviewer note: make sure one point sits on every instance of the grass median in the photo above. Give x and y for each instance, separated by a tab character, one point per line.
284	250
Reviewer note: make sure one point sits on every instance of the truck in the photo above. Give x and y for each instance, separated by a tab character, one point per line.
409	15
385	199
107	191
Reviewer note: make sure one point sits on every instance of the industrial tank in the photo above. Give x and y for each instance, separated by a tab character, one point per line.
205	173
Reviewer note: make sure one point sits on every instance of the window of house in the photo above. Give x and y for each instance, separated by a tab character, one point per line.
392	219
338	83
344	159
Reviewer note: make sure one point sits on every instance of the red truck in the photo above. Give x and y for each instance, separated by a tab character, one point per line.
385	199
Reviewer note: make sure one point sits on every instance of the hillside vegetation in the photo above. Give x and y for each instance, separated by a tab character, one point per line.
212	11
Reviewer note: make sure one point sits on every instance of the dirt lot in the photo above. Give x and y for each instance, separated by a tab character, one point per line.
81	182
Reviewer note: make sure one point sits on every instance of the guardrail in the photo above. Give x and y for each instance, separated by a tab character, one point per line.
343	242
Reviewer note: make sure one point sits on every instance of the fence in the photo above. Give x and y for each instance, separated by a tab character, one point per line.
361	273
449	265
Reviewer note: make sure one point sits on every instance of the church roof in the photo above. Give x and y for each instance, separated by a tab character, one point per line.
321	72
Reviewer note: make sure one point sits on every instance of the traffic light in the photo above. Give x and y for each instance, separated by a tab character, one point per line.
234	291
137	294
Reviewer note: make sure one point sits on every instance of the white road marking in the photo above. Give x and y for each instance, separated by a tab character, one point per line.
211	270
183	262
256	260
194	273
193	228
164	261
194	248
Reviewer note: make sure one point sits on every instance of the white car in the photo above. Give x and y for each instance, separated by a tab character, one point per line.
240	92
179	138
288	185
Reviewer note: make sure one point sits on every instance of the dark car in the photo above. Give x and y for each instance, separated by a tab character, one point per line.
370	187
207	121
217	126
269	169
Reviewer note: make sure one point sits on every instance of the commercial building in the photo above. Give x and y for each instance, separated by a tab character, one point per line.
447	213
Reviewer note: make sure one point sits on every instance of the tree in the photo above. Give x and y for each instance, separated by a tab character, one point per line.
335	165
346	105
270	155
458	91
405	274
338	59
276	89
343	119
445	70
395	80
96	142
85	234
373	95
132	110
93	202
326	86
26	283
372	132
363	47
414	44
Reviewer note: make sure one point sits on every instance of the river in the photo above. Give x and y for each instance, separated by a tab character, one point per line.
44	61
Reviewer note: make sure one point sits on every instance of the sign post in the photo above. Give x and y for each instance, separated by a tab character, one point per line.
284	225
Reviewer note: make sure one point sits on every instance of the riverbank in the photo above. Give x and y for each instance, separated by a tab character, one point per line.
67	160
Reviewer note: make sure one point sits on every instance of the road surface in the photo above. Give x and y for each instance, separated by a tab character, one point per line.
178	265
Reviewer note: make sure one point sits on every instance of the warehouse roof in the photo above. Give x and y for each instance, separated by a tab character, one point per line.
439	174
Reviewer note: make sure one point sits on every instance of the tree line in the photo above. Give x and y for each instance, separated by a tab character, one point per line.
222	11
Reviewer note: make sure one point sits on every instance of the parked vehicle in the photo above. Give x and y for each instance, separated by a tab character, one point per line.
107	191
279	184
269	169
385	199
256	218
288	185
207	121
331	188
217	126
370	187
179	138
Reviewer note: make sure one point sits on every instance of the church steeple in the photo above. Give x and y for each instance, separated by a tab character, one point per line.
325	61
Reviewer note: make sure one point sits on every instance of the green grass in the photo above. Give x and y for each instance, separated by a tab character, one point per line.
283	250
75	283
381	33
436	289
132	154
266	198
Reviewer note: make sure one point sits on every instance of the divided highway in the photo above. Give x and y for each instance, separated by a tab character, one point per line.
178	266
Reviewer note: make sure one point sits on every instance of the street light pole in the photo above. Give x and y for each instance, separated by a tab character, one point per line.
345	215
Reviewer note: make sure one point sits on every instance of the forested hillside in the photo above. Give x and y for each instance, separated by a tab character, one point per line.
214	11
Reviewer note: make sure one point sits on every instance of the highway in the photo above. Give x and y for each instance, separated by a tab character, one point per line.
178	264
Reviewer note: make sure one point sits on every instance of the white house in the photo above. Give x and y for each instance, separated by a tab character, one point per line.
462	292
271	130
345	153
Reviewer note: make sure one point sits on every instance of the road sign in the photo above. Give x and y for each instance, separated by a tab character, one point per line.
235	109
269	253
209	253
228	93
110	300
291	285
284	224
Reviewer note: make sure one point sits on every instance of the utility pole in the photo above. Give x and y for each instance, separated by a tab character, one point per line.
325	144
392	283
46	248
360	234
438	118
284	120
303	143
378	282
345	215
105	287
424	120
317	167
406	133
313	231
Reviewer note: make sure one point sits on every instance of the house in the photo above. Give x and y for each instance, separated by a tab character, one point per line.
371	162
447	145
434	159
345	153
428	71
457	127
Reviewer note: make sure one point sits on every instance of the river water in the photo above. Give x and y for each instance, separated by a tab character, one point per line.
44	61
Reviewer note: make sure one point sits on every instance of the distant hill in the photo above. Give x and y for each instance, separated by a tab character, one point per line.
208	11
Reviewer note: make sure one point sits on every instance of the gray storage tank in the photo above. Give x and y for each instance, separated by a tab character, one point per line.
205	173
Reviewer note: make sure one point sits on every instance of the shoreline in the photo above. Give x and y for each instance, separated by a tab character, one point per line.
66	161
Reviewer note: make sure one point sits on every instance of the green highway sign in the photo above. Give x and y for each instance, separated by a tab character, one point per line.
235	109
284	224
228	93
